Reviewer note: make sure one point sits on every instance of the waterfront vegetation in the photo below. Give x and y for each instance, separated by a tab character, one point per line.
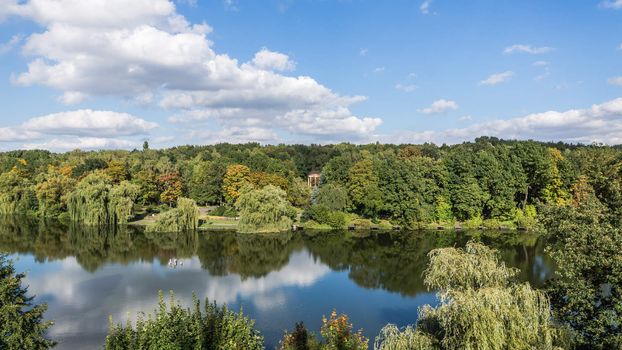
573	194
488	183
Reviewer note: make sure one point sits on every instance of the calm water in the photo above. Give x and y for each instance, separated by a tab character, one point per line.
85	275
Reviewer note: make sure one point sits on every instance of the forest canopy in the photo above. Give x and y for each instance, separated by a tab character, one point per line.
488	182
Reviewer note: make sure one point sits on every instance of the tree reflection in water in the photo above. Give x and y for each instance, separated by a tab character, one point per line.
393	261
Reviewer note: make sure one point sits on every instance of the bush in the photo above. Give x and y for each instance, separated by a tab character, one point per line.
175	327
361	224
336	330
491	224
323	215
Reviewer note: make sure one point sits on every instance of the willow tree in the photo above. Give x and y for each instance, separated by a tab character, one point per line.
481	307
264	210
121	202
185	217
88	203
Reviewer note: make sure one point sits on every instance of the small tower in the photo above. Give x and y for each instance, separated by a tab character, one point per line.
313	179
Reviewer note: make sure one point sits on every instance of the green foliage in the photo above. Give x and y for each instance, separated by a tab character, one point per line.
325	216
332	196
21	321
175	327
88	203
586	293
52	191
299	193
16	194
391	338
363	188
121	202
482	307
185	217
95	201
235	179
264	210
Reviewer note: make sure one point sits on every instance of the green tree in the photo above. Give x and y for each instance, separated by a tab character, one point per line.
185	217
88	203
149	186
122	198
363	188
264	210
298	193
52	190
586	293
332	196
21	321
16	193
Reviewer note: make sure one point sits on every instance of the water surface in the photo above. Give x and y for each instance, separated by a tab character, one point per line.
85	274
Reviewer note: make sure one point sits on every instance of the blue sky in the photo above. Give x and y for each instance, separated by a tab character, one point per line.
110	74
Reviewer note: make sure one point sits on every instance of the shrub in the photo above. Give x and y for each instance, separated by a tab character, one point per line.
175	327
323	215
337	330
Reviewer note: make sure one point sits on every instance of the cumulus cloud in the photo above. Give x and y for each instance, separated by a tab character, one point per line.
270	60
440	106
497	78
85	129
425	7
600	123
145	52
521	48
615	81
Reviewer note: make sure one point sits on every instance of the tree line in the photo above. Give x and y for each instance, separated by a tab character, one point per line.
488	182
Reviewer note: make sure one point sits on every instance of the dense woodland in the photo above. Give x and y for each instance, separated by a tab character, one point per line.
488	182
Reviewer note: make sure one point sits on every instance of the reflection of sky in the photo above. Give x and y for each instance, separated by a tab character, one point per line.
303	290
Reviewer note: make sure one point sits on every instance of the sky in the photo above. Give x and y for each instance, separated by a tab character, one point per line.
102	74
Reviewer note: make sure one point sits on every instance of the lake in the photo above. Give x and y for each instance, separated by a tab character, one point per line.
86	275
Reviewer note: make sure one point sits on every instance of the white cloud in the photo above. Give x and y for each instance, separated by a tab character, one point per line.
363	52
84	129
411	76
465	118
270	60
9	45
440	106
541	63
615	81
406	87
145	52
425	7
83	143
520	48
497	78
86	122
612	4
599	123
